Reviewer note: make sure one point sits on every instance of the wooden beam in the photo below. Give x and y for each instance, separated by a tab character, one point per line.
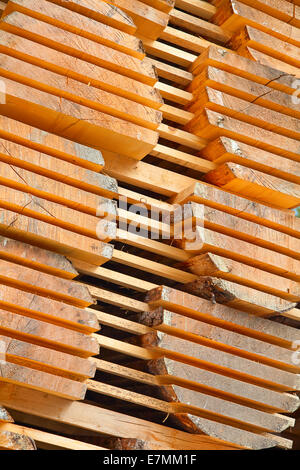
80	93
258	40
278	219
198	26
78	69
232	17
149	20
209	383
47	360
47	441
102	12
216	124
171	408
210	264
225	317
112	423
61	111
257	115
81	25
229	224
30	28
41	381
225	150
144	175
47	335
244	67
255	185
197	7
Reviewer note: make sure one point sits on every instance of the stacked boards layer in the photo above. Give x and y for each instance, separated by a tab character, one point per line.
80	124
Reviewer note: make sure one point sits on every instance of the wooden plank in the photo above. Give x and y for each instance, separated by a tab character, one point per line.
267	44
198	26
102	12
203	241
169	53
162	5
112	423
145	175
60	192
41	381
45	285
223	363
53	312
23	228
257	115
64	173
30	28
244	67
78	69
152	267
200	332
80	25
121	324
175	74
269	61
113	276
182	158
74	318
214	125
197	7
255	185
282	220
125	348
52	113
280	9
264	375
207	382
47	441
174	94
232	16
56	214
238	295
180	116
58	148
47	360
181	137
152	246
149	20
117	299
210	264
15	441
228	224
225	317
36	258
176	407
80	93
47	335
225	150
244	89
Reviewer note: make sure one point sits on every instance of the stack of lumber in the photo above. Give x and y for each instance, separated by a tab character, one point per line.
45	331
210	368
186	360
242	253
91	84
261	34
253	127
50	192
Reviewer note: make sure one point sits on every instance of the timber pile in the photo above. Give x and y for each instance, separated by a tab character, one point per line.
79	133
